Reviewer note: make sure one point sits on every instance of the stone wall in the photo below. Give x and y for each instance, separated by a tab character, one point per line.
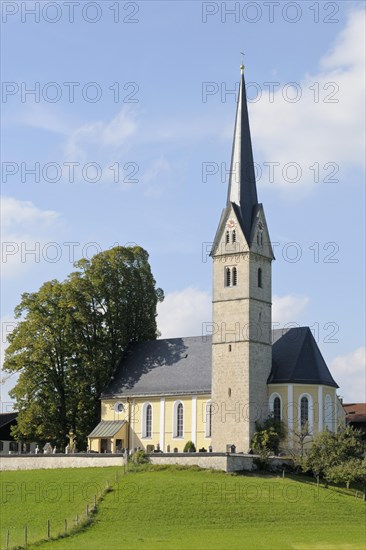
38	462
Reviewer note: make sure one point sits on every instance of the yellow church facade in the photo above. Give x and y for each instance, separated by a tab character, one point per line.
165	423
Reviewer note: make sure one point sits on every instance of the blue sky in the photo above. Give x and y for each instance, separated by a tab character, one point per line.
148	94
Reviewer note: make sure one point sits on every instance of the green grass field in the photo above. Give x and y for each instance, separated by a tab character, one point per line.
187	508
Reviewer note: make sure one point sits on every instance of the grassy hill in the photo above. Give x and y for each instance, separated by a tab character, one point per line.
170	508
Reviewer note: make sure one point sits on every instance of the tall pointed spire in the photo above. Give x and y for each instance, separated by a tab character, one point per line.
242	186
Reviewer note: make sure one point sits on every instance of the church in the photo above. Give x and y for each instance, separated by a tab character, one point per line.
212	389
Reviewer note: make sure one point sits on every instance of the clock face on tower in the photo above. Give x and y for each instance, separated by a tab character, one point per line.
231	223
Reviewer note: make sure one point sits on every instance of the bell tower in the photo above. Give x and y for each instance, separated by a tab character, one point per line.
241	339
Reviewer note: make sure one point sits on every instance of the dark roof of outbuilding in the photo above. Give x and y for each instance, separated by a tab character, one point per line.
172	366
296	358
6	418
180	366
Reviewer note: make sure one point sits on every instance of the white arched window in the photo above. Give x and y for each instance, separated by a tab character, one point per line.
275	406
306	412
328	412
208	426
147	420
178	419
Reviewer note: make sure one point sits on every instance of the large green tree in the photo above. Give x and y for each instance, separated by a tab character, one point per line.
70	337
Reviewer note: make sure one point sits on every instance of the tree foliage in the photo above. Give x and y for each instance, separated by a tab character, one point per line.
268	436
70	337
333	449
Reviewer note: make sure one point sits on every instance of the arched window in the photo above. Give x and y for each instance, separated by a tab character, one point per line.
328	412
233	236
275	406
147	420
304	411
235	276
228	276
260	277
208	431
180	420
178	427
277	409
227	237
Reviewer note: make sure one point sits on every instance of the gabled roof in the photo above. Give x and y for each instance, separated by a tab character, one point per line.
182	366
164	367
296	358
107	428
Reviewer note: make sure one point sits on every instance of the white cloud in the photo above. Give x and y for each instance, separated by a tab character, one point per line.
349	371
153	178
183	312
24	227
15	213
93	139
287	309
322	131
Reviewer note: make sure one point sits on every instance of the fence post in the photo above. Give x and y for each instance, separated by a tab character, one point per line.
25	536
65	526
77	520
95	502
7	539
87	510
48	528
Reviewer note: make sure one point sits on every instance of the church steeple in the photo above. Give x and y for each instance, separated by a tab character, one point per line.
242	185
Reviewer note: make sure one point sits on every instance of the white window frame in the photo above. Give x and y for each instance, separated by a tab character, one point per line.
328	412
208	419
175	420
310	411
144	420
271	404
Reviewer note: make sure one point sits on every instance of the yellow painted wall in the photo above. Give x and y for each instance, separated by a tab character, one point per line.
136	407
329	417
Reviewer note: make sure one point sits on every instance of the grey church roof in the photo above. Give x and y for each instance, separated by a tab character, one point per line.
164	367
296	358
181	366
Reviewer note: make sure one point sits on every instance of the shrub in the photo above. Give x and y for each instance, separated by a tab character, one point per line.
139	457
189	447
